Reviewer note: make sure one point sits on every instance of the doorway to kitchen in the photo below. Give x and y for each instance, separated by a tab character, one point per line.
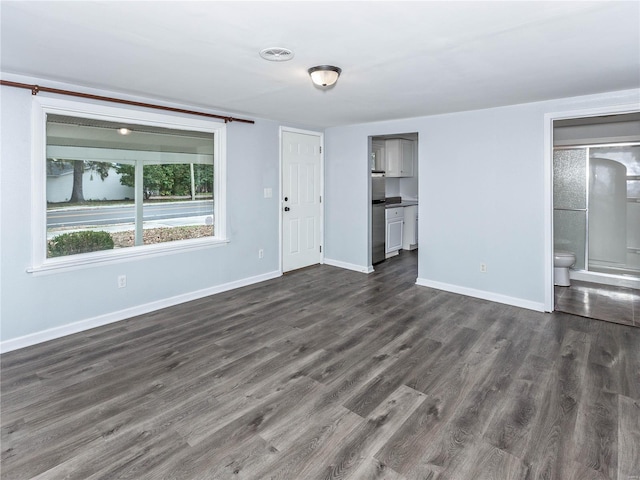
393	214
301	198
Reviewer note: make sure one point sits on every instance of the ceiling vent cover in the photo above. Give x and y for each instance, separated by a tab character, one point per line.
276	54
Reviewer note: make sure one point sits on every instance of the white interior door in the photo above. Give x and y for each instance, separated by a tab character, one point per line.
301	215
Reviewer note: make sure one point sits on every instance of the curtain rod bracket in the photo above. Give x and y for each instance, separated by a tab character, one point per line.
35	90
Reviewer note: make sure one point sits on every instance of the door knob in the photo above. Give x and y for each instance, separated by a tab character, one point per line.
286	209
286	199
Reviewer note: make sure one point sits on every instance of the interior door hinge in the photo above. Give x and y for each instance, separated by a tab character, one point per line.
320	198
320	149
320	248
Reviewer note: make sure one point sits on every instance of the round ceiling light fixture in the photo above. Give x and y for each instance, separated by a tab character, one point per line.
276	54
324	75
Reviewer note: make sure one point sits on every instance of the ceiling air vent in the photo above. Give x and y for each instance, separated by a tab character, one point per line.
276	54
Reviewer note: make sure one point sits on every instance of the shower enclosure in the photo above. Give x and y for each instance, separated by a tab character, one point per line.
596	196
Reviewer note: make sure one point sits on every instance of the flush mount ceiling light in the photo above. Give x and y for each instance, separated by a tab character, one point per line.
324	75
276	54
124	131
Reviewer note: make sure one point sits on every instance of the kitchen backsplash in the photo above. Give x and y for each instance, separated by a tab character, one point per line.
402	187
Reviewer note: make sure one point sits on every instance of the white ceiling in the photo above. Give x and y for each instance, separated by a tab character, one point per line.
399	59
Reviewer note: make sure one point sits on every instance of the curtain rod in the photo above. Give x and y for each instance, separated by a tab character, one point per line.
35	89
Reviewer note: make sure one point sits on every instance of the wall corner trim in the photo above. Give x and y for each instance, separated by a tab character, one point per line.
76	327
472	292
348	266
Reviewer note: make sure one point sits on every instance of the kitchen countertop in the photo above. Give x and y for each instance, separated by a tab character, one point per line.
403	203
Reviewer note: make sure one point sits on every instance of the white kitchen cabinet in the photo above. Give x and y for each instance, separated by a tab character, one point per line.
399	154
410	230
395	222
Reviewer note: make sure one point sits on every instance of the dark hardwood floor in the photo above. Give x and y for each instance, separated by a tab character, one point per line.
329	374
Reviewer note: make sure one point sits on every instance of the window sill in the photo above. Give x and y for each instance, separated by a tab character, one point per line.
85	260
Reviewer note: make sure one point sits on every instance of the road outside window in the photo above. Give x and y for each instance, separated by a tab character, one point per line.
114	185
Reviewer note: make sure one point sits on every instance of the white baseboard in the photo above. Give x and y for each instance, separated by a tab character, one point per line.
76	327
348	266
472	292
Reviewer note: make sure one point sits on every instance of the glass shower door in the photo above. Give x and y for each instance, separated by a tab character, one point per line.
570	202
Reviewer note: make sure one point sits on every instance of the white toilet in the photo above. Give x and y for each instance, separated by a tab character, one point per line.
561	263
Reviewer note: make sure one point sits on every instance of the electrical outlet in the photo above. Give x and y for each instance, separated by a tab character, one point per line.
122	281
261	253
268	193
483	268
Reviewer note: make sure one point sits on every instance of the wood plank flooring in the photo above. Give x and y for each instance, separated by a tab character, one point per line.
328	374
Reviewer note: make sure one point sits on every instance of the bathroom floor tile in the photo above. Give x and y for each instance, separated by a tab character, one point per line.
602	302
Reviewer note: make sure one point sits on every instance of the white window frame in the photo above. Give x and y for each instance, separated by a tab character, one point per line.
42	106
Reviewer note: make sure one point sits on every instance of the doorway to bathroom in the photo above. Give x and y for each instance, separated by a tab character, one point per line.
596	216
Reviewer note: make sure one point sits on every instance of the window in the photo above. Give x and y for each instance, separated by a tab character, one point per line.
112	182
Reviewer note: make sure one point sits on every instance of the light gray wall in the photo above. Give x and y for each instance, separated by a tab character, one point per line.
481	194
35	303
